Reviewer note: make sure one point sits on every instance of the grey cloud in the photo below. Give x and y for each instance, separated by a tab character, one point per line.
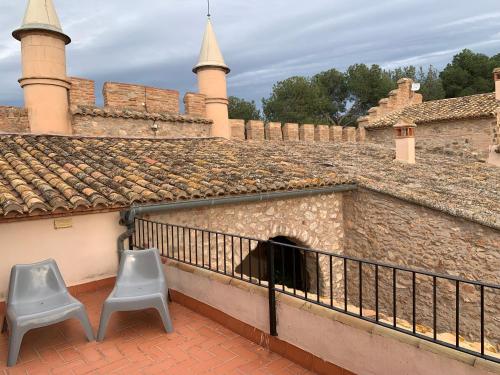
262	40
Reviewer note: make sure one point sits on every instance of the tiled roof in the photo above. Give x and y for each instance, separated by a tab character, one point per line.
467	107
42	174
127	113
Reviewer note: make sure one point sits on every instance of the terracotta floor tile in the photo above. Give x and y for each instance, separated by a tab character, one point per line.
136	343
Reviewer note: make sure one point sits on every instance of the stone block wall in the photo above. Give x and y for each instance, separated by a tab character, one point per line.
313	222
82	92
14	120
140	98
306	132
195	105
322	133
114	123
273	131
474	135
382	228
255	130
291	132
237	129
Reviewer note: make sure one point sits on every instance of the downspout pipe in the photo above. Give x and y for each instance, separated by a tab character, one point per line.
127	217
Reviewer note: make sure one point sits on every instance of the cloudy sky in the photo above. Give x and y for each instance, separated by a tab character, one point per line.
156	42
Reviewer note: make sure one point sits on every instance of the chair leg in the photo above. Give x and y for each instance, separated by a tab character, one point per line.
105	315
84	319
4	324
15	340
162	308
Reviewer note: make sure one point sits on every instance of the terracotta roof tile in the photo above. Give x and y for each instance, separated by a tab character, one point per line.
43	174
125	113
474	106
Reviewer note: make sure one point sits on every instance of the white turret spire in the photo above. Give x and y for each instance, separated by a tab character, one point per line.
41	15
210	54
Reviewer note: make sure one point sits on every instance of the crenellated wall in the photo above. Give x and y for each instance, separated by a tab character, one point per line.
257	130
136	111
398	99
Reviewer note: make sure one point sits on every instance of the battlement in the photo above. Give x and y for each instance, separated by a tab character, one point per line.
132	110
256	130
133	97
398	99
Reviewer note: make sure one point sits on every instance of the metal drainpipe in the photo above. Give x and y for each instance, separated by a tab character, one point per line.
127	216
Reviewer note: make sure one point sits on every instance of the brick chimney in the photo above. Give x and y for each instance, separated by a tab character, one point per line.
404	136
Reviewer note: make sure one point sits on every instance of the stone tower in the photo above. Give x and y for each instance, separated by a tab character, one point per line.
211	71
44	80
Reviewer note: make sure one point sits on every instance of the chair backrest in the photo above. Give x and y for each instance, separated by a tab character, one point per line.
32	282
140	265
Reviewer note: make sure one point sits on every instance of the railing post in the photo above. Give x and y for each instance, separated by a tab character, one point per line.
271	288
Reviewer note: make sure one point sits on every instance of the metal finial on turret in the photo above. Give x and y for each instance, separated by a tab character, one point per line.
208	13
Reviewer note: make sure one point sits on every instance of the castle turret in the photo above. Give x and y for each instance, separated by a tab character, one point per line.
44	80
211	71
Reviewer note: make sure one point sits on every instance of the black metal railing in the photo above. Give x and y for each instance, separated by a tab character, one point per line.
414	302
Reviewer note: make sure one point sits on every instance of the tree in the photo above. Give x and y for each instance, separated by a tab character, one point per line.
298	100
469	73
334	85
431	85
367	85
242	109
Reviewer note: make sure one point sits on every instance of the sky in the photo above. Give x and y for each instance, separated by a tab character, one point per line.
156	42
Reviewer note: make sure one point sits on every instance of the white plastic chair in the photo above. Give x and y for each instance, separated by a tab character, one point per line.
38	297
140	284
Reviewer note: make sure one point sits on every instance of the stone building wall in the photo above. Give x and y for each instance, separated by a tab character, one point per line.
314	222
381	228
124	126
141	98
475	135
13	120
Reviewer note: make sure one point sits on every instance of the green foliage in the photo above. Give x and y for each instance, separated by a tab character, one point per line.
298	100
242	109
469	73
367	85
336	97
334	85
431	85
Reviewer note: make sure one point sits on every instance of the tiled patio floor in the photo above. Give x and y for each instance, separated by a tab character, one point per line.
136	344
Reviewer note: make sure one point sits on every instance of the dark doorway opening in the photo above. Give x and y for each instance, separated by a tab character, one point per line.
290	266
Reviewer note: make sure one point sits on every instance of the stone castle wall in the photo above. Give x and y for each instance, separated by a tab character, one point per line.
136	111
138	125
256	130
313	222
13	120
381	228
474	135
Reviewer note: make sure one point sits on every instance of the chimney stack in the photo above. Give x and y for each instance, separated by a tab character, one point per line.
44	81
404	135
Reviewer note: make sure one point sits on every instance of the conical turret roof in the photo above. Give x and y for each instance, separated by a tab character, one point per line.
210	54
41	15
